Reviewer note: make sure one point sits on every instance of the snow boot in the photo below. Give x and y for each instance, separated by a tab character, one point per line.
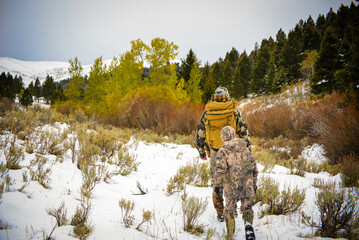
230	225
249	232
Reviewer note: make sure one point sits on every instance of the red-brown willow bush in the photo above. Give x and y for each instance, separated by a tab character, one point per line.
160	112
332	121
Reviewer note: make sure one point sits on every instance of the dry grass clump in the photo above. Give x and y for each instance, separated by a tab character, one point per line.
59	214
193	208
13	154
39	172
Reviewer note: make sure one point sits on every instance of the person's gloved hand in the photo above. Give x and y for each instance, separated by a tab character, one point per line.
218	191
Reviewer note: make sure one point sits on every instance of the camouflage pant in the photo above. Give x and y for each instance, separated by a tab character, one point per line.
217	200
241	190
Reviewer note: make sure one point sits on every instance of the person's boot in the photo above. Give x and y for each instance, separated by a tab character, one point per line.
249	231
230	225
218	205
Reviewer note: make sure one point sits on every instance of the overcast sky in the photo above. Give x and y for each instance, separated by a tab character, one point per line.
57	30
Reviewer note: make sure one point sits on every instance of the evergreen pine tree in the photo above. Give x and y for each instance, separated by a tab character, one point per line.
37	89
18	84
32	88
217	74
270	76
2	84
58	95
258	84
26	98
292	54
232	57
321	24
10	92
48	88
227	76
188	64
242	76
311	36
327	64
208	84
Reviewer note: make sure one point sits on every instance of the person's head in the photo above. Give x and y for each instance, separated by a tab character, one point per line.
227	133
222	91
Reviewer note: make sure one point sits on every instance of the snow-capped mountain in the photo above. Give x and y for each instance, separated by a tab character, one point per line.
30	70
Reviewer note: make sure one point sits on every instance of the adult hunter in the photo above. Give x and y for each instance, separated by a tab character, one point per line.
219	112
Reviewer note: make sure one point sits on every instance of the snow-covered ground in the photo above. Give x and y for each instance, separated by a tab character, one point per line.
25	211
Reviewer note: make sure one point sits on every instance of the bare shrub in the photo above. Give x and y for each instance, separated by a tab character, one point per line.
143	191
13	155
336	127
193	208
59	214
90	179
48	142
5	180
38	171
80	220
6	105
350	170
127	207
71	144
153	109
146	217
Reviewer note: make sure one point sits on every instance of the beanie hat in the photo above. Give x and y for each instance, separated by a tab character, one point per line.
227	133
222	91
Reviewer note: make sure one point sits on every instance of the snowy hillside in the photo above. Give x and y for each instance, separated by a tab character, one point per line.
23	207
30	70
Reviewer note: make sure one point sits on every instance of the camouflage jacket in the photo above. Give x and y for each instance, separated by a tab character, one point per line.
235	163
241	131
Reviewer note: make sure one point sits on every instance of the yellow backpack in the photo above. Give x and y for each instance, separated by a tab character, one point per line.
219	115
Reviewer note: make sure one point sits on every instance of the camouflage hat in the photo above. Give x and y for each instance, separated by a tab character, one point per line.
222	91
227	133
